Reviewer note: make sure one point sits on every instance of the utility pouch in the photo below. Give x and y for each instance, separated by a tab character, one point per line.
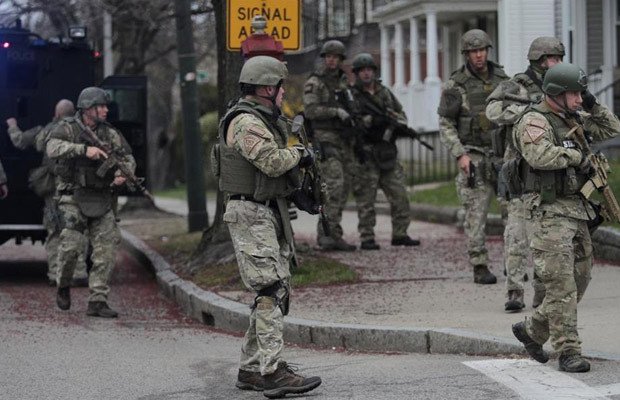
41	181
384	154
93	203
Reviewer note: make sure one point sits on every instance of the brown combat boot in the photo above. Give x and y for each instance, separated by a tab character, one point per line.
534	349
515	301
483	276
247	380
573	363
284	381
100	309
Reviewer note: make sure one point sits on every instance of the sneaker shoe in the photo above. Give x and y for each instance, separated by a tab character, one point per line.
247	380
573	363
63	298
284	381
369	245
100	309
534	349
515	301
483	276
405	241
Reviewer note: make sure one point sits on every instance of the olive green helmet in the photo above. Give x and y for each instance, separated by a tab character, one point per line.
263	71
564	77
333	47
475	39
92	96
545	46
363	60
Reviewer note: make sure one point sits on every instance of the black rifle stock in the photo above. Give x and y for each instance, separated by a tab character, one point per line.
114	160
312	177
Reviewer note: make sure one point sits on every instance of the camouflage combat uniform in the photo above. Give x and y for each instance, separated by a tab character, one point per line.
2	175
527	85
465	129
85	203
254	163
37	137
557	218
385	174
320	107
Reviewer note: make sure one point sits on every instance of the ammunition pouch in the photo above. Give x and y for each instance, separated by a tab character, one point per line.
498	141
93	203
42	181
510	185
385	154
450	103
280	292
551	184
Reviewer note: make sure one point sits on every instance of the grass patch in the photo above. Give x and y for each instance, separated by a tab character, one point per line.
317	270
445	195
177	192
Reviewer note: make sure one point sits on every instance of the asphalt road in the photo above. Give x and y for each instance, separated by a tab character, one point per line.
154	352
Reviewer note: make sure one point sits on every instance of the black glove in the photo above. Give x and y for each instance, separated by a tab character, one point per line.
589	100
304	202
307	158
585	167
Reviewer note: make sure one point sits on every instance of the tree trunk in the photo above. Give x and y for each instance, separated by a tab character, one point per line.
215	246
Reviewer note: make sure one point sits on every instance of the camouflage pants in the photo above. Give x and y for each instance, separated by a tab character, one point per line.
365	184
562	252
104	236
476	203
516	248
263	259
336	170
52	242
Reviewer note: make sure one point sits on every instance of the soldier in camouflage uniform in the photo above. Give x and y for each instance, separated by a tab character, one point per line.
37	137
380	167
556	168
329	122
466	131
85	199
257	171
544	53
4	190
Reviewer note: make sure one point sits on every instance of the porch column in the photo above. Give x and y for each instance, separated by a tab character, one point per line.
432	73
386	65
414	52
399	55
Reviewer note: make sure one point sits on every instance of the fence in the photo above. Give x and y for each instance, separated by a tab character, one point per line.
422	165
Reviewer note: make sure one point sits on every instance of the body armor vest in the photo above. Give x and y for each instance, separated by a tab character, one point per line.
557	183
473	128
236	174
333	83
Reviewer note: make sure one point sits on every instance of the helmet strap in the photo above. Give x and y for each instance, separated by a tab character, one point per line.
563	106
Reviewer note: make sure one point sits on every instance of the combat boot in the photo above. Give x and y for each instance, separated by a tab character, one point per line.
369	244
63	298
483	276
573	363
284	381
247	380
534	349
539	296
331	244
405	241
100	309
515	301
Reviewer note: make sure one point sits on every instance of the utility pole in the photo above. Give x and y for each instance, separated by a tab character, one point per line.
197	218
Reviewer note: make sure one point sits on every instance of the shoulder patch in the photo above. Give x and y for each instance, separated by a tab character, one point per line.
538	122
534	129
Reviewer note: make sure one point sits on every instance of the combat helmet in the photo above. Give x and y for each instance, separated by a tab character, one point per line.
545	46
263	71
564	77
475	39
363	60
92	96
333	47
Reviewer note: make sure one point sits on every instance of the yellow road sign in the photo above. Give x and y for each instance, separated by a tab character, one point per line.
283	21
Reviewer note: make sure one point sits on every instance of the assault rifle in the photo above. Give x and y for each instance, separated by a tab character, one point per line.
356	129
312	185
395	124
598	180
115	160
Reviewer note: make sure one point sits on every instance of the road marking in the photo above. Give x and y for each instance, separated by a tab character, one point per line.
535	381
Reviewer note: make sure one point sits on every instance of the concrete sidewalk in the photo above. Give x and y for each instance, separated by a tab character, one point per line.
408	299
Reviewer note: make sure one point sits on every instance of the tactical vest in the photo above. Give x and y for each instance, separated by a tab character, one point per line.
236	174
333	84
555	183
473	128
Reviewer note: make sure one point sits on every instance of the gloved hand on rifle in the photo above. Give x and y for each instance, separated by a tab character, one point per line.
343	115
307	156
585	167
304	201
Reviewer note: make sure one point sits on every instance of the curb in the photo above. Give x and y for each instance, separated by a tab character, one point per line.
216	311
